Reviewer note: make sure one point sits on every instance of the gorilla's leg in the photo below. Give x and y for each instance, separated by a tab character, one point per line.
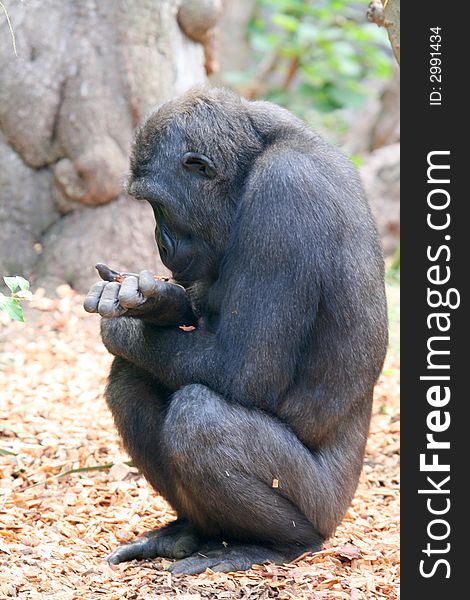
139	405
244	480
240	481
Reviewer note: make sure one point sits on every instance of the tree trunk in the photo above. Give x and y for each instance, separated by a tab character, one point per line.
392	19
386	13
86	74
234	49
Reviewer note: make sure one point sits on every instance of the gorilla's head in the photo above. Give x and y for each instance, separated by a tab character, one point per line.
190	159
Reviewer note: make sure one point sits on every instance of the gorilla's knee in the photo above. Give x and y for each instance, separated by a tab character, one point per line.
195	419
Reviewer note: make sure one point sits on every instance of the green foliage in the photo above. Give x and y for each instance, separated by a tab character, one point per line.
19	291
357	159
322	52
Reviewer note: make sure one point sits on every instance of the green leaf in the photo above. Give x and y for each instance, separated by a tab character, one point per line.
357	159
14	310
287	22
307	33
13	429
262	42
16	282
23	283
5	452
24	295
347	96
103	467
348	68
12	283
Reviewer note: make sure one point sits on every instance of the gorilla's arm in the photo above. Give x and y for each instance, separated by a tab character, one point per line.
268	308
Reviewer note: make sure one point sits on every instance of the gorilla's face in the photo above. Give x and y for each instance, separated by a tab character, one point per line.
183	189
182	251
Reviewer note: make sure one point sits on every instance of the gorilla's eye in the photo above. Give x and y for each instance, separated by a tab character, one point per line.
198	163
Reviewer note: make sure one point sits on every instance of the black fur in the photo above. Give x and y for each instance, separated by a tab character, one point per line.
270	234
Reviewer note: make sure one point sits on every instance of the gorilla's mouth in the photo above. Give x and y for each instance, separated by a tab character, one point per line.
182	276
168	249
165	242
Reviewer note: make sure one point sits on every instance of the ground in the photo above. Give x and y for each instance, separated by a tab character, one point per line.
67	496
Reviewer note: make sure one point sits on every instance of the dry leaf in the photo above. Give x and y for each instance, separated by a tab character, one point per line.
119	471
348	551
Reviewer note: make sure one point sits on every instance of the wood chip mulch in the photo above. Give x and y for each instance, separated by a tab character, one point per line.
55	528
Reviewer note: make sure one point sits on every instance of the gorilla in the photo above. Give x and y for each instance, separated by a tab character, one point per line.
242	388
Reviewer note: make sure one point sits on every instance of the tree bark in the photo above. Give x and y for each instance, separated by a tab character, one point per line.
386	13
392	20
86	74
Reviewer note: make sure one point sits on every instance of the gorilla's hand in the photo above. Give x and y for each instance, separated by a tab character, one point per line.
103	298
142	295
120	292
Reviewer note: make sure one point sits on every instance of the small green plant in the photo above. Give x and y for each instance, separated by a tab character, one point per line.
19	291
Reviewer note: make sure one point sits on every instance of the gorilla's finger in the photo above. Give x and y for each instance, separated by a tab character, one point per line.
129	294
106	273
90	304
109	302
147	283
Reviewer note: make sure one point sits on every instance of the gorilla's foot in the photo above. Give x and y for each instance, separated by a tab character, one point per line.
175	540
232	557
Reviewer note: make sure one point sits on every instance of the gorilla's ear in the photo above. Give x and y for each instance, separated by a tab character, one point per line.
198	163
